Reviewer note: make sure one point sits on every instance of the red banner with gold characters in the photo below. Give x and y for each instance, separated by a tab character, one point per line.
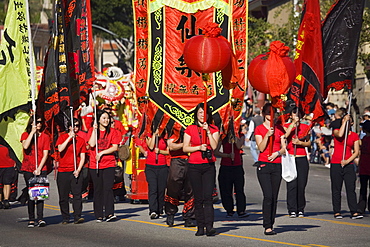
167	90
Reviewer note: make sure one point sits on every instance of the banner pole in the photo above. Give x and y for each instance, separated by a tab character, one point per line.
32	75
96	131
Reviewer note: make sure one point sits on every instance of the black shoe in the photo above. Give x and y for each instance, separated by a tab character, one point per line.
31	224
6	204
41	223
1	205
243	214
255	164
170	220
272	232
229	215
65	222
189	223
211	232
111	218
200	231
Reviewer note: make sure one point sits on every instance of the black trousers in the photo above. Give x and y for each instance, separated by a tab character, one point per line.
103	191
31	204
338	174
364	199
296	189
178	187
68	183
203	178
230	179
156	176
269	178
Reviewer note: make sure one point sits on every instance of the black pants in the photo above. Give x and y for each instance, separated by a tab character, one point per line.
338	174
296	199
203	178
103	191
230	179
67	182
31	204
178	187
156	176
269	178
364	199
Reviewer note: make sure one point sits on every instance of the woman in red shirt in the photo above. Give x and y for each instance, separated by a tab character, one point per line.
102	165
364	169
202	171
72	159
297	143
343	168
156	172
269	166
29	166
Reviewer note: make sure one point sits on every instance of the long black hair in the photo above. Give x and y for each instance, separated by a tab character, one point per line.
30	121
209	114
107	128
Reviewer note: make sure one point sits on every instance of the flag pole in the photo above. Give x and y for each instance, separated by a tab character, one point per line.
73	140
347	126
96	131
32	75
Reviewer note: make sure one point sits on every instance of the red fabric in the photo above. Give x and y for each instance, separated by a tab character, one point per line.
276	73
43	143
66	161
308	85
261	130
162	159
339	147
226	148
177	153
195	133
104	142
303	129
119	126
5	160
364	164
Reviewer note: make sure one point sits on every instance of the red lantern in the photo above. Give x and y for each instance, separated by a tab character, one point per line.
257	73
207	53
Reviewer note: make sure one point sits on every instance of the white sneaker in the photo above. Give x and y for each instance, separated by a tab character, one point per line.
292	215
300	215
153	215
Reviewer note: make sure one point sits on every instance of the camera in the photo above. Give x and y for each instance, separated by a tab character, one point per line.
207	154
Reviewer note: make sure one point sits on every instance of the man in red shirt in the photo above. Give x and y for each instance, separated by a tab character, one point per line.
7	175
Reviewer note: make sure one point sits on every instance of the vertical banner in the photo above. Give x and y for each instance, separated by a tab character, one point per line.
173	89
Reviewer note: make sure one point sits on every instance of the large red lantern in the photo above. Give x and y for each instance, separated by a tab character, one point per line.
274	72
207	53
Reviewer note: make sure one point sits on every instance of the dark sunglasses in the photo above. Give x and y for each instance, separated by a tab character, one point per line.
38	121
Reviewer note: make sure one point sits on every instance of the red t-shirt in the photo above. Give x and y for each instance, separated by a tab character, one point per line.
339	147
119	126
5	160
43	143
66	162
104	142
261	130
178	153
227	149
195	134
162	160
364	164
302	129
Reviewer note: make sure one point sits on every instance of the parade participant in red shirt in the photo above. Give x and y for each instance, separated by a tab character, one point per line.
102	165
269	167
296	145
202	171
364	168
156	172
72	159
231	174
343	170
7	175
178	184
29	166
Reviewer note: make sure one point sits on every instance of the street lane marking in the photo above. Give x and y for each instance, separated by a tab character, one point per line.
338	222
224	234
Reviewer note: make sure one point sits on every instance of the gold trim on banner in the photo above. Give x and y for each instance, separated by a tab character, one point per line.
186	119
157	65
189	8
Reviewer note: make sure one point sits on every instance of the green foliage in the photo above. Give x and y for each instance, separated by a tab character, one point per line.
258	36
365	42
114	15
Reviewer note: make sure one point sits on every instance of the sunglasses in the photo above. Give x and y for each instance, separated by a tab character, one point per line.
38	121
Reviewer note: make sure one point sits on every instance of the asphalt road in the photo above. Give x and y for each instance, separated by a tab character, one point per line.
134	228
